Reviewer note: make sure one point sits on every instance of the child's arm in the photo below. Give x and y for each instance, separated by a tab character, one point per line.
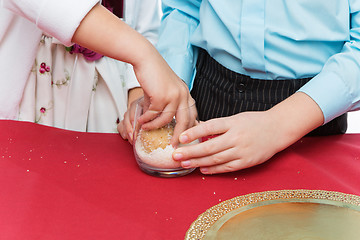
103	32
249	138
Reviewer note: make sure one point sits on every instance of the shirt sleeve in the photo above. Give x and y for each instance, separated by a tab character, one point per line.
143	16
146	19
336	89
180	19
59	19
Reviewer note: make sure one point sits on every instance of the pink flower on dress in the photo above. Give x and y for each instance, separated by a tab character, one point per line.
42	110
88	54
44	68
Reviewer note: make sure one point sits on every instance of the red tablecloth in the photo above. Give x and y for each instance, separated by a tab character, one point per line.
57	184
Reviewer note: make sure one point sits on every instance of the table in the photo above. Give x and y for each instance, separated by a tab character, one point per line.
58	184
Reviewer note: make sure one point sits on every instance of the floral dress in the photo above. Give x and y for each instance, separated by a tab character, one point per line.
71	90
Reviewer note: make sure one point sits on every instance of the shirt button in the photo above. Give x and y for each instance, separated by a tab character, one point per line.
241	87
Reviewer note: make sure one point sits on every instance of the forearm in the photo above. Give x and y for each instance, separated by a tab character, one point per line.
103	32
295	117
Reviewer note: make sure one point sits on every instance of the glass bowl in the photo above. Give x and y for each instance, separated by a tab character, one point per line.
152	148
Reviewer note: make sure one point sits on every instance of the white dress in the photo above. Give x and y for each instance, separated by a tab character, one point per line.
68	91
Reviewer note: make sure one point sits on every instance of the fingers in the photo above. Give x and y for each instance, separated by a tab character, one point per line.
153	121
201	150
179	128
125	127
121	130
204	129
182	126
122	126
230	166
233	164
186	117
221	162
152	118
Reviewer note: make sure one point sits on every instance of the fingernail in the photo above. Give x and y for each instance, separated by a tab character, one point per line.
186	164
183	138
178	156
204	170
130	136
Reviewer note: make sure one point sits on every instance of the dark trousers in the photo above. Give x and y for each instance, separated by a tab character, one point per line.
220	92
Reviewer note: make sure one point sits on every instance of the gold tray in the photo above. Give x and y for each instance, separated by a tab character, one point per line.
281	215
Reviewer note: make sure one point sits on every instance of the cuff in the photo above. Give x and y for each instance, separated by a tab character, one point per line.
331	93
61	18
183	66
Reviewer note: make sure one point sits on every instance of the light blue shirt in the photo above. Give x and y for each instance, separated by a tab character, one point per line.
276	39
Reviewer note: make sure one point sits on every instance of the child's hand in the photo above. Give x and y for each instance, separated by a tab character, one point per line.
165	93
243	140
248	138
125	127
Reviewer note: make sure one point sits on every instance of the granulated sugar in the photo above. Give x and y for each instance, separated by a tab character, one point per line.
159	158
